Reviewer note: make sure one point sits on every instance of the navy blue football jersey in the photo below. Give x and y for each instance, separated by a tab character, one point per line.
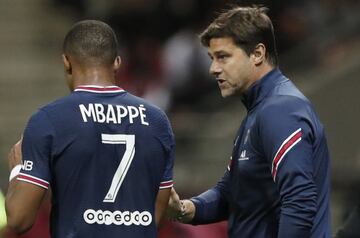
105	154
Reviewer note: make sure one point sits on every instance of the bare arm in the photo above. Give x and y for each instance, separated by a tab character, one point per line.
161	204
22	199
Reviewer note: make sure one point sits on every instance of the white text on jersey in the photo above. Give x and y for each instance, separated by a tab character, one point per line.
112	113
27	165
117	217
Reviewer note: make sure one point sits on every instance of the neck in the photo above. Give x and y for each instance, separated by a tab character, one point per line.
94	76
257	74
261	71
265	69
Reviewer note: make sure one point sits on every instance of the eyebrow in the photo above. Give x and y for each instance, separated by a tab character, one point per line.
221	52
217	53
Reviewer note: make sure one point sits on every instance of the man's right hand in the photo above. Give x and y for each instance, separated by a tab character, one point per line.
180	210
188	211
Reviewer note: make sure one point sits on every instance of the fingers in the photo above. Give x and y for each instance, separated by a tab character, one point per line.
15	155
179	210
174	205
187	211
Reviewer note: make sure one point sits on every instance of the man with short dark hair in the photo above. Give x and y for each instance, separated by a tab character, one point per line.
277	183
106	154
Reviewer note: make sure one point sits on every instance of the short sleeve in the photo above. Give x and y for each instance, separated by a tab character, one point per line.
37	150
168	141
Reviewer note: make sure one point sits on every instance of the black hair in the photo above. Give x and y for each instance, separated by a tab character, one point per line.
247	26
91	42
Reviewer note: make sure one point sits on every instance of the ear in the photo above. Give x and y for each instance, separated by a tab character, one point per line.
67	64
259	54
117	63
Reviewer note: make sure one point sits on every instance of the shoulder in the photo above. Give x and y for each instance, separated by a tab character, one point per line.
58	103
144	102
56	110
283	103
282	111
285	98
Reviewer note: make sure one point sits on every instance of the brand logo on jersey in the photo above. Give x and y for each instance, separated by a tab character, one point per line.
236	140
117	217
243	156
247	136
27	165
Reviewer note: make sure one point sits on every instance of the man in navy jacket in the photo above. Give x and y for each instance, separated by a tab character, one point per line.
278	181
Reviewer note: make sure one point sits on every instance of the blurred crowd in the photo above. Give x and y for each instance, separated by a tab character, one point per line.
164	61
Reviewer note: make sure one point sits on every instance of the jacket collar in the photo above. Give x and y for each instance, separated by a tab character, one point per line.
257	92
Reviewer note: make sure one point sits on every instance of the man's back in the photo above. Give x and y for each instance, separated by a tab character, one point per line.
105	153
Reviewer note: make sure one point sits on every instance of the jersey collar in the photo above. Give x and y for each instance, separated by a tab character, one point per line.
257	92
98	89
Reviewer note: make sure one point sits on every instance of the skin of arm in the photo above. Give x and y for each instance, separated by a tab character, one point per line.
162	201
23	199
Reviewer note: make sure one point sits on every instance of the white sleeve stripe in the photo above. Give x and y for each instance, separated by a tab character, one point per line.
277	165
281	146
168	181
169	186
32	182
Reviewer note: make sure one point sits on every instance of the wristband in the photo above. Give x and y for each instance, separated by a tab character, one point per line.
15	172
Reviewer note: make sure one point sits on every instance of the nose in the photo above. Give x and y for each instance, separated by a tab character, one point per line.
215	69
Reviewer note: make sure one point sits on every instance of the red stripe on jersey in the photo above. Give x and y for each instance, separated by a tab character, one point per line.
291	141
33	180
166	184
100	89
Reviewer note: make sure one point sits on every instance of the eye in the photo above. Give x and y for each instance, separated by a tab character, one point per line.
222	57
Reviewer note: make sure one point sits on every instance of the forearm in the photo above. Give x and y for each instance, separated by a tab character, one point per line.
22	203
293	227
298	211
161	204
17	220
210	206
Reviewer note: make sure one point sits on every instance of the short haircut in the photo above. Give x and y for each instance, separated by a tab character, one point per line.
247	26
91	42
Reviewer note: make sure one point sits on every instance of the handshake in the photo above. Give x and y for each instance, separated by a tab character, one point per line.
179	210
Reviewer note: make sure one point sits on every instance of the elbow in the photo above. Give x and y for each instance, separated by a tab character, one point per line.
302	212
18	222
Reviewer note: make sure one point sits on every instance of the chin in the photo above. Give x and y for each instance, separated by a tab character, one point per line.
226	94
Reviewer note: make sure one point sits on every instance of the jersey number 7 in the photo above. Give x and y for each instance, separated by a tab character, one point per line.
129	141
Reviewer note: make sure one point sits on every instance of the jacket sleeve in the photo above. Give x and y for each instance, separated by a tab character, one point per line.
212	205
287	137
